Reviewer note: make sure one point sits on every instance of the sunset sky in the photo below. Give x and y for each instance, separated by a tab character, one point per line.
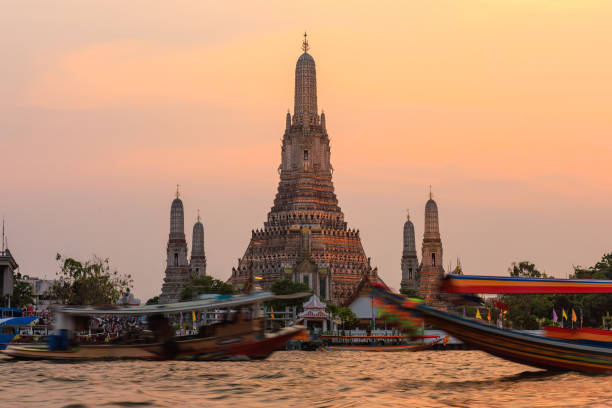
503	106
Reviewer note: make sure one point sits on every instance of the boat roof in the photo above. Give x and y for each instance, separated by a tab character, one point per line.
219	301
17	321
522	285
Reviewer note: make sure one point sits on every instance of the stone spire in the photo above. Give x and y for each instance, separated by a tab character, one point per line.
198	256
410	262
432	270
177	270
305	102
432	229
177	217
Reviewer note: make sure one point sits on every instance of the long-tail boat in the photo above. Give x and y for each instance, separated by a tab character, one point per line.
555	351
240	337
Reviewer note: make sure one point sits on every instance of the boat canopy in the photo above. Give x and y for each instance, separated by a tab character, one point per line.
218	302
17	321
509	285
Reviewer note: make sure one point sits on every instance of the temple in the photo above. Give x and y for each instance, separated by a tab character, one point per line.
305	237
178	271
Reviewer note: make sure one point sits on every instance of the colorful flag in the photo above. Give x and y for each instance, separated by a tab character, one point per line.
478	316
574	318
564	314
555	317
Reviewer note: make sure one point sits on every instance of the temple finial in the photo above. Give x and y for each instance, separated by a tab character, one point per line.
305	46
430	193
178	194
199	219
407	214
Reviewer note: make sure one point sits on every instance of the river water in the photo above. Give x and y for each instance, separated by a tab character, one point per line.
302	379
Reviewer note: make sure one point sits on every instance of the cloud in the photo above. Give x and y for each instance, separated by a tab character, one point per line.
131	73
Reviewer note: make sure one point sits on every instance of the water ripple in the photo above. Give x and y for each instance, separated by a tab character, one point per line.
302	379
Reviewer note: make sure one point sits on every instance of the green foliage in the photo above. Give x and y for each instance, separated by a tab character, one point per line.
531	311
288	287
526	270
412	293
601	270
347	318
89	283
205	284
153	301
22	293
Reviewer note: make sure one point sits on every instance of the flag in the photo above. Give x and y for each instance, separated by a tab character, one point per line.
564	314
478	316
489	316
555	317
574	318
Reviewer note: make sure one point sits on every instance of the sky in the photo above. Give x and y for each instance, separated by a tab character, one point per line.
503	106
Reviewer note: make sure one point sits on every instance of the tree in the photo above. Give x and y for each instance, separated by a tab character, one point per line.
89	283
348	319
288	287
601	270
529	311
205	284
153	301
22	293
413	293
525	269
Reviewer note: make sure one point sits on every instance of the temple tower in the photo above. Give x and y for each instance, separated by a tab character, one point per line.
177	270
432	271
198	256
305	237
410	262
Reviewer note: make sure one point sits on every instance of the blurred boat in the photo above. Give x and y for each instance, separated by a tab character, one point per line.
239	336
11	326
520	347
582	335
587	350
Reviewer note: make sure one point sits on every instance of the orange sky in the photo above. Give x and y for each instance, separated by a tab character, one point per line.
503	106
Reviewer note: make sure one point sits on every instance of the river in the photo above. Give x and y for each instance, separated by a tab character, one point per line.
302	379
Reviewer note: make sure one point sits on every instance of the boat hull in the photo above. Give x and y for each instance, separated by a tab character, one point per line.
537	351
247	346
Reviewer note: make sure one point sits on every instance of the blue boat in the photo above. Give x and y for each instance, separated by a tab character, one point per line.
10	326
